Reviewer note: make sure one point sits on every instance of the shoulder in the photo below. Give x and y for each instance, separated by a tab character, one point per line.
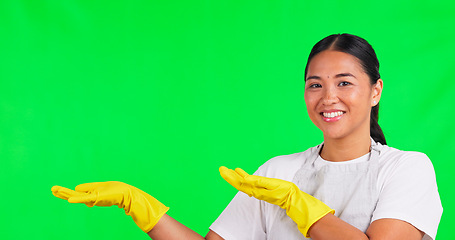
394	161
285	166
395	155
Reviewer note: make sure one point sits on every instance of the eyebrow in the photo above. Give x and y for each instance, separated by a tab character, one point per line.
336	76
344	75
313	77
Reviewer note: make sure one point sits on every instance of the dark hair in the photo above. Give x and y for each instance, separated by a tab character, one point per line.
362	50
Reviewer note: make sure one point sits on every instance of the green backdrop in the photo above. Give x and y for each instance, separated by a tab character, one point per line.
159	94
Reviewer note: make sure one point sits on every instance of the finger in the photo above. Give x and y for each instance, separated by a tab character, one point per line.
241	172
235	179
62	192
267	183
55	189
88	187
88	199
231	176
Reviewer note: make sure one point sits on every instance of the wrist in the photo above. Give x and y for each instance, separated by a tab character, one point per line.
162	222
305	210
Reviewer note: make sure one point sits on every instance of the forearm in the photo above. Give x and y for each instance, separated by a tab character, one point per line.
333	228
169	229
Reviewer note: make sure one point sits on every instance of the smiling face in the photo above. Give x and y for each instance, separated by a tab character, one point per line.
339	95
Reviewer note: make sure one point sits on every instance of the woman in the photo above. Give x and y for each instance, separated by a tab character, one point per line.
352	186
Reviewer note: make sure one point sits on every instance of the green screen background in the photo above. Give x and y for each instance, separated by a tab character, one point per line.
159	94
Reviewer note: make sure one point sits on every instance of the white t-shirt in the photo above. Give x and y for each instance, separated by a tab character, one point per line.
406	190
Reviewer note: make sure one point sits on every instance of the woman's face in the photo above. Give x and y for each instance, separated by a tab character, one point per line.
339	95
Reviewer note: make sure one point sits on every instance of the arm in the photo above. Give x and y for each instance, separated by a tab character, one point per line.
170	229
331	227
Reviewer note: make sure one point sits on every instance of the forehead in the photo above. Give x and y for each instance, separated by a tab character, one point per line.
334	62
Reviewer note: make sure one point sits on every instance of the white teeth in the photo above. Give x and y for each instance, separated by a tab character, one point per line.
332	114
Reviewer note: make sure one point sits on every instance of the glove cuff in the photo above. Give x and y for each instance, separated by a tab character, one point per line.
145	210
306	210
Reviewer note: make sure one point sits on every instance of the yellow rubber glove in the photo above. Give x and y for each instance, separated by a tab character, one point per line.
301	207
145	210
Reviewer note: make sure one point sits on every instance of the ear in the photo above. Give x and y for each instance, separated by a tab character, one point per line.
376	92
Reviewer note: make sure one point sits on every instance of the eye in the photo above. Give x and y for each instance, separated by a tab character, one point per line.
344	83
315	85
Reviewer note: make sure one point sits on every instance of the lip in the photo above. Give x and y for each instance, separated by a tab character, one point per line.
334	119
332	110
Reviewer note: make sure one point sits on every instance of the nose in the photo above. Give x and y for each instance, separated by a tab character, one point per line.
329	96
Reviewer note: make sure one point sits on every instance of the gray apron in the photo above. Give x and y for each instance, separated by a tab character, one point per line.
350	189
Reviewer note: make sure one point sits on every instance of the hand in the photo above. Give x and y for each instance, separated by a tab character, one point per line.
301	207
145	210
271	190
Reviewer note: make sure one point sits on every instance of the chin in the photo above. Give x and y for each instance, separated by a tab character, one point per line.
333	134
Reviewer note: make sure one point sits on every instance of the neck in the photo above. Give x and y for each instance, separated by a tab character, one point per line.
344	149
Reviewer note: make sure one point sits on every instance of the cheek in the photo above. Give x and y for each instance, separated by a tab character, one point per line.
358	101
309	100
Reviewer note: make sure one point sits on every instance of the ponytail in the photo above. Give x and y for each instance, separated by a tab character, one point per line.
375	130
